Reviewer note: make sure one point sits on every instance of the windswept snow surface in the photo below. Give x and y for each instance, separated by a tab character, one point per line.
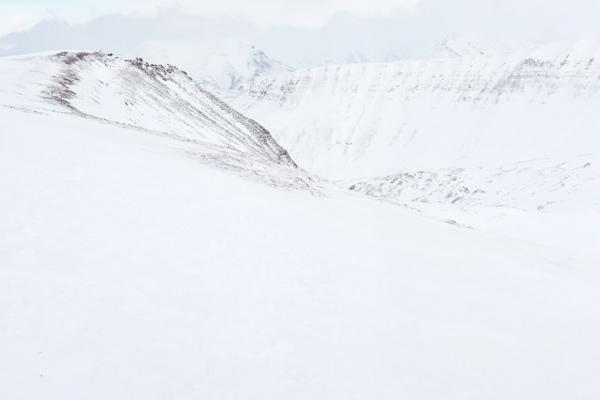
133	265
503	143
129	269
556	204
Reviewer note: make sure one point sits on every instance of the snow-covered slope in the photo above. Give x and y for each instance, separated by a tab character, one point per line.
529	185
224	67
345	121
154	99
129	270
506	144
546	201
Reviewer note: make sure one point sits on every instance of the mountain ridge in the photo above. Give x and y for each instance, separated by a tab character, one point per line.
226	68
376	118
152	98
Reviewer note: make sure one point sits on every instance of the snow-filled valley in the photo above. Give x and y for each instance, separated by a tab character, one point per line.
431	234
504	143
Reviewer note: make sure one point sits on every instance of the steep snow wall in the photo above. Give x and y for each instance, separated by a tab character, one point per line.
363	120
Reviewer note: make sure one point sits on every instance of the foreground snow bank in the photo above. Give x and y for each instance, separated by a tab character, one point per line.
128	269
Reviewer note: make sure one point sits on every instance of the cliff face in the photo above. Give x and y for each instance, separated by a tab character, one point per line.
353	120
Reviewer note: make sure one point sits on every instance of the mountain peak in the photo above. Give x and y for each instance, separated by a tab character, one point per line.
225	67
456	46
159	99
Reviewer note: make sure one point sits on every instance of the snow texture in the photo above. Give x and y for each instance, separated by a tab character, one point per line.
134	265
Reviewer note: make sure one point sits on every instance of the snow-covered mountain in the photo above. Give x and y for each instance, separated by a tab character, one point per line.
156	99
344	121
490	141
158	241
455	46
226	67
458	46
130	269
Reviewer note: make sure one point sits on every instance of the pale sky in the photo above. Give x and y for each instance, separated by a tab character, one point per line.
530	20
22	14
578	15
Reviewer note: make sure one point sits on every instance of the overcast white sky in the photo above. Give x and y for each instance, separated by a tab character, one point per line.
21	14
551	17
393	21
